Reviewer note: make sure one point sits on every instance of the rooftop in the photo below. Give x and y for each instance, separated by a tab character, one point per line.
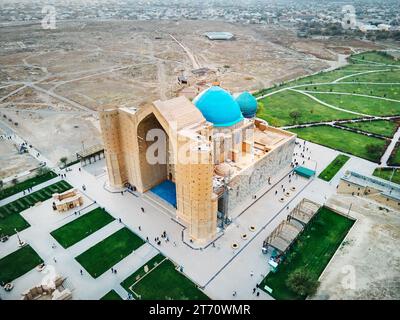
219	35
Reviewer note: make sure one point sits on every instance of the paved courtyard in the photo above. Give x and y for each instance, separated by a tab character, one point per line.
212	268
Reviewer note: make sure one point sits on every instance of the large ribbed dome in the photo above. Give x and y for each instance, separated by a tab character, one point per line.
219	107
247	103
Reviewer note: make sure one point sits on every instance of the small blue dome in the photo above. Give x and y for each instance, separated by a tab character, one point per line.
247	103
219	107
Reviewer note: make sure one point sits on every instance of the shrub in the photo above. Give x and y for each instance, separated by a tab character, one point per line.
302	282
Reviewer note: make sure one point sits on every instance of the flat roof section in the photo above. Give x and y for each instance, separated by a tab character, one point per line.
219	35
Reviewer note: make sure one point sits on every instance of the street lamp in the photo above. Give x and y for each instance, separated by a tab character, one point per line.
20	242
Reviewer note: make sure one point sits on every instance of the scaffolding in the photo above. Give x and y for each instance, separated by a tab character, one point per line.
285	234
90	154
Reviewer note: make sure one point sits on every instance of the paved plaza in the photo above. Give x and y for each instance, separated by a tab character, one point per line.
217	269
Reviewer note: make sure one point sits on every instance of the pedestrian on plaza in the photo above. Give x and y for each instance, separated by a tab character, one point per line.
122	193
115	271
80	169
81	272
174	244
254	290
140	228
142	209
234	293
120	220
54	259
147	239
251	273
258	293
112	270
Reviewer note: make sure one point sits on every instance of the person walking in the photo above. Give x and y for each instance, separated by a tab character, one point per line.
81	272
251	273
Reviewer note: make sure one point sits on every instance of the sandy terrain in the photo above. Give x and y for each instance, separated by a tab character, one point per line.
370	253
53	81
11	162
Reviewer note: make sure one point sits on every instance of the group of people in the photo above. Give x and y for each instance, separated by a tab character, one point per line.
163	236
28	190
113	270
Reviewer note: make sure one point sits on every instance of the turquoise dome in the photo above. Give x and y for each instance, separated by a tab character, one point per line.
248	104
219	107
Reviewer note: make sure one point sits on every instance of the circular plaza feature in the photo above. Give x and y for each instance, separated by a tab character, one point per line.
235	245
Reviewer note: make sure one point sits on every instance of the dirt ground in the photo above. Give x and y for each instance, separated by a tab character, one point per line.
11	162
53	81
367	265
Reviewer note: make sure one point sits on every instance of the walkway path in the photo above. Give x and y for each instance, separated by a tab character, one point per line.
329	105
390	148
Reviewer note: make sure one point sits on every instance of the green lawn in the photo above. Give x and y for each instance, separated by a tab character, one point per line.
18	263
373	56
29	183
341	140
365	105
105	254
382	127
277	108
82	227
376	90
10	213
164	283
112	295
313	250
388	174
384	77
333	168
394	159
139	273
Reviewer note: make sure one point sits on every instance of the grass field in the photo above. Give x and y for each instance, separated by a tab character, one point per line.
112	295
388	174
345	141
313	250
376	90
284	107
29	183
394	159
382	127
392	75
364	105
82	227
10	213
373	56
105	254
164	283
276	110
333	168
18	263
139	273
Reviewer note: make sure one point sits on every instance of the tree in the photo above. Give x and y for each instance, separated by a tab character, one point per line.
295	115
42	171
302	282
63	160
